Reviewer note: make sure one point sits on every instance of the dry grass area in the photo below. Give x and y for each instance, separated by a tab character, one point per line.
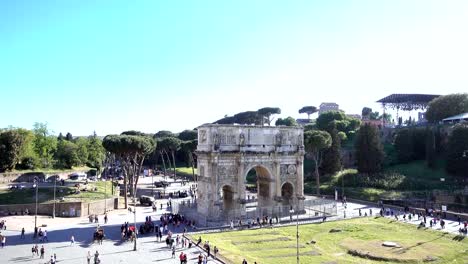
360	241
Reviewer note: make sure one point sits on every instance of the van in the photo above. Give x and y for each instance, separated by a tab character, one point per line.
80	176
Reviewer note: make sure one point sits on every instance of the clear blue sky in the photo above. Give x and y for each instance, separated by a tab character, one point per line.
111	66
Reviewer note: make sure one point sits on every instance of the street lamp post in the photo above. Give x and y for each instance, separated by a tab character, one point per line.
55	188
152	184
134	217
36	182
297	234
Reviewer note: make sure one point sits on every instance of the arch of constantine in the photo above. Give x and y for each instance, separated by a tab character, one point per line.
225	155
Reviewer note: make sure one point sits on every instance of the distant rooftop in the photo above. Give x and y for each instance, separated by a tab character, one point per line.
408	101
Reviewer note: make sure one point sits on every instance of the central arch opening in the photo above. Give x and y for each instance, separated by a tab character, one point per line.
287	191
259	186
227	196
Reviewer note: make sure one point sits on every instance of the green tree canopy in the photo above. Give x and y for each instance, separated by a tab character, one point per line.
446	106
67	154
308	110
267	112
44	144
96	152
11	144
366	111
332	156
188	135
163	133
369	150
457	151
288	121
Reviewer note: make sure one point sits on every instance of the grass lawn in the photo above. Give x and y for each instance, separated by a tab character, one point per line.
358	236
185	171
47	194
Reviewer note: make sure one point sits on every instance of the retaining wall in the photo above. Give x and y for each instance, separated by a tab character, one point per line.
62	209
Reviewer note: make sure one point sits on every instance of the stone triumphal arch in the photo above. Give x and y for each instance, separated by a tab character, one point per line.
225	155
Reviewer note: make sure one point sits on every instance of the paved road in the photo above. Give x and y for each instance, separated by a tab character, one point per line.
113	250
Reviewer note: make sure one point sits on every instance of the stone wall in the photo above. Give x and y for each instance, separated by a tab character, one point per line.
62	209
9	177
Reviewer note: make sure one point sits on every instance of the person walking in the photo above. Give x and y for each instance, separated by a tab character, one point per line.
52	261
96	258
244	262
33	251
105	218
173	251
42	252
22	233
3	241
72	240
45	236
88	257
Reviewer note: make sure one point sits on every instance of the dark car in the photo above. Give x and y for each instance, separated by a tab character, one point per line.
183	194
148	200
161	184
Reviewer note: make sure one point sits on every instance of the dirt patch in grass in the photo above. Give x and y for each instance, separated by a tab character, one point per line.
237	234
310	253
272	248
262	240
421	251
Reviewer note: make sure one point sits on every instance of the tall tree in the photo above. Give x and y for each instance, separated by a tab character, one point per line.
173	145
67	154
315	142
267	112
60	136
457	151
69	136
131	151
96	152
404	145
288	121
446	106
325	120
369	150
366	111
11	144
332	156
189	148
308	110
44	144
82	150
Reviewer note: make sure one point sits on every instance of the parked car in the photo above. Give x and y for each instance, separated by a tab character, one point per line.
183	194
161	184
148	200
16	186
53	178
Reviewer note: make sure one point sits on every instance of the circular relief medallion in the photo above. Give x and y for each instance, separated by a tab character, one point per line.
291	169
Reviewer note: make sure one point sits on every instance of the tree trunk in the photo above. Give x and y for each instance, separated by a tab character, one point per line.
164	164
173	160
125	187
168	160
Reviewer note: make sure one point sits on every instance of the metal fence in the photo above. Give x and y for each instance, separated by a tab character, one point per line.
311	208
